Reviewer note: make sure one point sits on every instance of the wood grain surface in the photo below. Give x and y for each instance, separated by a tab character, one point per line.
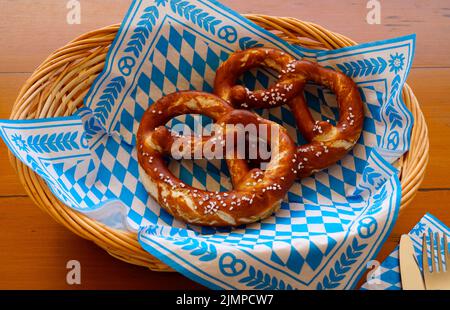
34	249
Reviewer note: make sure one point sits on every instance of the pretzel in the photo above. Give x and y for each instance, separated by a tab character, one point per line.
256	194
326	143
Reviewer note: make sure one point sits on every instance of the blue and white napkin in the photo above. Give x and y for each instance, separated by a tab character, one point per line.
387	275
329	225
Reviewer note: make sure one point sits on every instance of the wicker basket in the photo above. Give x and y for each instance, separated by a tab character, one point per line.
59	84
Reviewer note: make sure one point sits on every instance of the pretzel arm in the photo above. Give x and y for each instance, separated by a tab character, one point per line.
192	147
238	63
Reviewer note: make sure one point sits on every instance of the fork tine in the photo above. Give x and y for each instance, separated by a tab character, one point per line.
426	268
446	254
439	256
433	262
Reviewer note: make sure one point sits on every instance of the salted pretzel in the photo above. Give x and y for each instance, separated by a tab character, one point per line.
256	194
326	143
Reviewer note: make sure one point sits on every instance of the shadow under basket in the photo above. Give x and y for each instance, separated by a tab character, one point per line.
60	83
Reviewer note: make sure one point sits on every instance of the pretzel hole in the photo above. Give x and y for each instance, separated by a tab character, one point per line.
258	78
322	103
188	122
211	175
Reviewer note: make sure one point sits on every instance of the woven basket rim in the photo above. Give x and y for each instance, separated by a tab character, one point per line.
58	85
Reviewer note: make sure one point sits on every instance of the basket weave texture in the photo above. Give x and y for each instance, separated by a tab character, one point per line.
59	84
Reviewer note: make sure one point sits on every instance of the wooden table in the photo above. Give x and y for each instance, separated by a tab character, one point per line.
34	249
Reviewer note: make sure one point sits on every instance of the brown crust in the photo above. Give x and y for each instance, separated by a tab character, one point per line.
326	143
256	194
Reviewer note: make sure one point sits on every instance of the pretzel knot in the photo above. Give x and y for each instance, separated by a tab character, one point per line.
326	143
256	194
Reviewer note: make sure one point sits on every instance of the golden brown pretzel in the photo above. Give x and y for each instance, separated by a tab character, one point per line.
326	143
256	194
